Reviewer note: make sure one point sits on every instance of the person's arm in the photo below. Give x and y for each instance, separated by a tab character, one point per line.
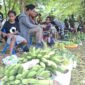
3	30
27	23
14	33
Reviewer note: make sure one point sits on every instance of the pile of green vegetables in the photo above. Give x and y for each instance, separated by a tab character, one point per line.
51	60
16	75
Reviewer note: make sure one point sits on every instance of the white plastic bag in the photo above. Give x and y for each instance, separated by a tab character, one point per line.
9	60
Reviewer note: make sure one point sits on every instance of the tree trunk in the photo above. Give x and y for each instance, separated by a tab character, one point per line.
4	1
15	1
22	5
9	5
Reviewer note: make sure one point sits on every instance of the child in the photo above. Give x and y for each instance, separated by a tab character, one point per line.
11	31
46	28
49	31
50	40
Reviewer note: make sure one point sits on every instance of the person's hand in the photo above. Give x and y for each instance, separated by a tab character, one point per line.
43	26
4	34
9	34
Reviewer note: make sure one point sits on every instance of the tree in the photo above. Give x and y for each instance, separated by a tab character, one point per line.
59	8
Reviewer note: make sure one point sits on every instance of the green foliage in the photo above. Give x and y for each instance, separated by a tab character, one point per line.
59	8
1	71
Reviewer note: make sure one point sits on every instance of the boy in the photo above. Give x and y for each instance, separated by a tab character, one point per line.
10	30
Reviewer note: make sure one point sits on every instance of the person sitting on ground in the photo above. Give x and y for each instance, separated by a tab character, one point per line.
50	40
72	23
46	28
48	31
81	24
11	31
60	26
39	19
27	26
67	25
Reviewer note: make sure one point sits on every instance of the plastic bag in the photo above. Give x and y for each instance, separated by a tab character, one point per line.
9	60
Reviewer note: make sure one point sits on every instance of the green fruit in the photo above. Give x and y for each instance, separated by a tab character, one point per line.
56	59
17	82
36	68
14	71
21	59
39	56
25	60
40	70
29	81
45	74
48	55
25	81
29	57
51	63
42	64
20	70
19	76
31	74
45	82
44	60
11	78
8	69
25	73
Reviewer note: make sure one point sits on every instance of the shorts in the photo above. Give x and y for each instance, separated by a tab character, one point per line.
19	39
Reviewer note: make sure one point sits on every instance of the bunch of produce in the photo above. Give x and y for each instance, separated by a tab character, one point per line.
48	58
16	75
65	44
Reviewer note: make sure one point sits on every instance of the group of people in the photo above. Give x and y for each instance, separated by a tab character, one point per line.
17	29
74	25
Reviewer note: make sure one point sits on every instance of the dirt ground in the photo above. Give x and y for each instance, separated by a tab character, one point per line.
78	74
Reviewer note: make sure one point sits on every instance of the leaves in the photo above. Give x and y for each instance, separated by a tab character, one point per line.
58	8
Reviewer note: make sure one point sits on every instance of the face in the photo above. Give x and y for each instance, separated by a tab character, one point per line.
12	17
32	13
48	20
